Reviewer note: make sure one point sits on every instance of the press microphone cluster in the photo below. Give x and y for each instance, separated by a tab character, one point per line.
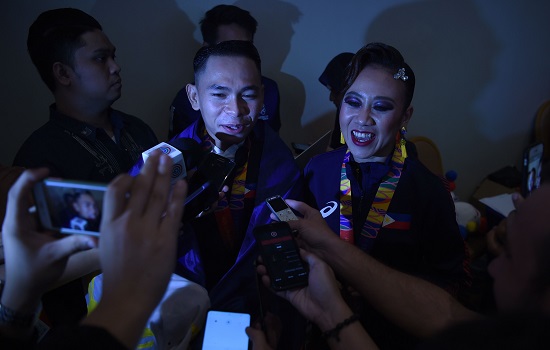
186	153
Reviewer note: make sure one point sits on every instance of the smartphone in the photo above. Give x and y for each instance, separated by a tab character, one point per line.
70	207
281	256
532	168
225	330
206	183
191	197
281	210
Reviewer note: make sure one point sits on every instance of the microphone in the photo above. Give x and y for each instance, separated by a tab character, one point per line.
179	171
193	153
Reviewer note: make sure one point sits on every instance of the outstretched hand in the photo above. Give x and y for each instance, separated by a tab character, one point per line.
313	232
34	260
322	293
139	231
137	247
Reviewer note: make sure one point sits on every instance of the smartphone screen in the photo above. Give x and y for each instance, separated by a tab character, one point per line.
225	331
532	168
70	207
207	181
281	210
281	256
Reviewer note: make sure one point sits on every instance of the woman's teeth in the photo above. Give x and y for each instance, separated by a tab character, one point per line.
362	136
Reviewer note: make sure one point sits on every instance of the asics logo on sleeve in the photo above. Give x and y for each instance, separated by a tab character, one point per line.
329	209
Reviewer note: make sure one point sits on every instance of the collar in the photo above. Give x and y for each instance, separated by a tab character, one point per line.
83	129
228	153
386	161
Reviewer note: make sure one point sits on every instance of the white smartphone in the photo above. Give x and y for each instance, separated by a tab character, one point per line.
70	207
225	331
281	210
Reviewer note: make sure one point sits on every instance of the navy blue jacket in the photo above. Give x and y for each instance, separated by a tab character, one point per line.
426	240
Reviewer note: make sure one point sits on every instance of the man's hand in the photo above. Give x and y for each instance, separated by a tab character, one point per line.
139	231
313	232
320	301
34	260
137	247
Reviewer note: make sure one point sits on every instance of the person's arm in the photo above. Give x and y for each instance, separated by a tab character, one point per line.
137	248
413	304
79	264
34	260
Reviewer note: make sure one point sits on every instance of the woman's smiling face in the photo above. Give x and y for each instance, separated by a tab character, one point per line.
372	112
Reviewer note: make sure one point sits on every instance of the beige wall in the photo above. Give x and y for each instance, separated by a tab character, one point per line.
481	65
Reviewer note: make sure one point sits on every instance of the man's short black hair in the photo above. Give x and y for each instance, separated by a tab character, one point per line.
54	36
231	48
224	15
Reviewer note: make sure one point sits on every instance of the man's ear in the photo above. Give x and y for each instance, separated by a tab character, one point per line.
61	73
193	96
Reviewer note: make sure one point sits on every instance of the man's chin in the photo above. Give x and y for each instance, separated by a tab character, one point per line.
232	139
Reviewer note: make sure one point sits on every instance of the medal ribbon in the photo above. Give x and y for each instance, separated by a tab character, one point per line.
380	203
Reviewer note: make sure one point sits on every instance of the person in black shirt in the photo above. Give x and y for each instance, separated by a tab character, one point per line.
85	139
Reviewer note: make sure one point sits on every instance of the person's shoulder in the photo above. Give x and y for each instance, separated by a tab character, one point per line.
269	82
45	144
262	130
420	170
330	156
128	118
425	181
324	161
133	123
44	135
191	131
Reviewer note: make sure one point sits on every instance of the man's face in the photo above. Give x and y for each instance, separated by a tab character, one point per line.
86	207
96	76
515	270
229	94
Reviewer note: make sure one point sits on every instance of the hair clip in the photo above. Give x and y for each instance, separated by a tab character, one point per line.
401	75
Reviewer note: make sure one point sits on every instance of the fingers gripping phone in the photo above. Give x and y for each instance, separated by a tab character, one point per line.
70	207
281	256
225	330
281	210
206	183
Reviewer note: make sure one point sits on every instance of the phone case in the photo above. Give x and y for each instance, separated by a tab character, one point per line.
281	256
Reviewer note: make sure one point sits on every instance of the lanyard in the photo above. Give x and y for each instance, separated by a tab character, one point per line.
380	203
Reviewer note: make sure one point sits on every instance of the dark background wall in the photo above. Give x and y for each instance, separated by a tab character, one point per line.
481	65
